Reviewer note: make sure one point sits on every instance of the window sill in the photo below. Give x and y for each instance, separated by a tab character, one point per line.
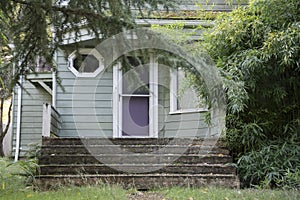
198	110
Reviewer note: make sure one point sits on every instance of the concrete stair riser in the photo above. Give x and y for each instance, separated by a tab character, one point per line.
134	159
111	149
119	169
143	181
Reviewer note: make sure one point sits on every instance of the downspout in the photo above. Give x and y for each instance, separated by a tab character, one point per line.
12	121
54	81
54	88
18	134
13	106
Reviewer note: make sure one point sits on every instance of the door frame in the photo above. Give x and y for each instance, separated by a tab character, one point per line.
153	101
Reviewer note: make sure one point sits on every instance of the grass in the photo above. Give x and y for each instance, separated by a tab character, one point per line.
13	187
106	192
77	193
228	194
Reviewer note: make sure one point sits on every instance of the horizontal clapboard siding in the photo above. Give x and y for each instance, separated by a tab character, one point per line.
211	5
93	98
84	104
176	125
33	97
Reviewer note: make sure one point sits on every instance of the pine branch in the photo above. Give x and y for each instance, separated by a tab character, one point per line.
64	10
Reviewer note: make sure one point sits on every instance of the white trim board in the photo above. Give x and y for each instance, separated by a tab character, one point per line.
153	101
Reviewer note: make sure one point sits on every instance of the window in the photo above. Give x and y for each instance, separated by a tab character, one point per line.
42	65
183	97
86	63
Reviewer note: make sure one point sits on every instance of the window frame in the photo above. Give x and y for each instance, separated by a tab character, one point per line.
173	96
85	51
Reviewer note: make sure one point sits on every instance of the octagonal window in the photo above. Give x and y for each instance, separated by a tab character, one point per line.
86	63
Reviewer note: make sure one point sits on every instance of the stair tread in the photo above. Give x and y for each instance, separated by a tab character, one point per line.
131	139
144	165
140	141
136	154
129	145
137	175
176	161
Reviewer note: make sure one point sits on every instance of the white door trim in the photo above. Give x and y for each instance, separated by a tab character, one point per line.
153	101
153	107
116	99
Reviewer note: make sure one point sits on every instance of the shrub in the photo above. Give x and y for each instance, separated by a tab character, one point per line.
276	165
257	50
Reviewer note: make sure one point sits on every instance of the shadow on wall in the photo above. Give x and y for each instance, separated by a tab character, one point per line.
7	143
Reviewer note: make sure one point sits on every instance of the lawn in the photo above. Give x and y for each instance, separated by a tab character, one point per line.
106	192
13	187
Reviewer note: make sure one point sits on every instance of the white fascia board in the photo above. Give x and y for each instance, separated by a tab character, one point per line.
186	23
84	34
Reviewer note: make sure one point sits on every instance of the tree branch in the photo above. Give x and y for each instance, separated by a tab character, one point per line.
65	10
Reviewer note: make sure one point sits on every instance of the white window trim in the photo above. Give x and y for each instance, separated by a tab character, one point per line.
173	97
153	101
86	51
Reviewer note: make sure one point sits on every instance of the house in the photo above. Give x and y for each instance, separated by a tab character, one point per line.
86	108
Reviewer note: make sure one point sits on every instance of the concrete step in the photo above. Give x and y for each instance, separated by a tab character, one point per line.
136	169
135	162
134	159
141	181
131	141
124	149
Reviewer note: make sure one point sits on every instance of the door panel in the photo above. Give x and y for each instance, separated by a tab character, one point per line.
135	116
135	99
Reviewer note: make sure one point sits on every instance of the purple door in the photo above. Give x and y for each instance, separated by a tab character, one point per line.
135	116
135	100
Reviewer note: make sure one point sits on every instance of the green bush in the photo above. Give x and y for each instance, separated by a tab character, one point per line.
9	179
257	49
21	173
276	165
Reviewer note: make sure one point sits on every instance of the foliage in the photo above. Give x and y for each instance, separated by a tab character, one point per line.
24	170
28	170
5	78
38	27
5	92
20	174
8	179
258	50
116	192
276	165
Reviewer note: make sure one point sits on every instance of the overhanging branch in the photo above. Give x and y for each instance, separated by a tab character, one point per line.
65	10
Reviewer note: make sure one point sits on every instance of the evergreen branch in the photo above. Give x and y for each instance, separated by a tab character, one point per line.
65	10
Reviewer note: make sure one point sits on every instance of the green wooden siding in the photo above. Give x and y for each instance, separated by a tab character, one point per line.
33	97
85	104
176	125
215	5
93	98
